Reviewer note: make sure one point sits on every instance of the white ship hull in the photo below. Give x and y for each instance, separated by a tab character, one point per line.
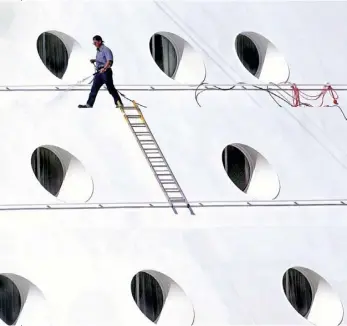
73	256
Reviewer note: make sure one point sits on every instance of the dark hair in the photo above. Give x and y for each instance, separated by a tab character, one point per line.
98	38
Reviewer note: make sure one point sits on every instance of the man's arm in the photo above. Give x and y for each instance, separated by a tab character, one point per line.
109	58
108	64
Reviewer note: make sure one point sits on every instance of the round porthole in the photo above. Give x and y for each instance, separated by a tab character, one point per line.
161	299
250	171
248	53
56	50
10	301
312	296
298	291
21	302
261	58
176	58
237	167
148	295
164	54
61	174
53	53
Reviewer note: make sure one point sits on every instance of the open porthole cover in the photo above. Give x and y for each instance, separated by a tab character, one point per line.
250	171
261	58
177	58
161	299
61	174
312	296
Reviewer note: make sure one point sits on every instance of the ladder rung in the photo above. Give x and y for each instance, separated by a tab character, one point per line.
138	124
151	149
169	190
167	182
129	108
146	141
142	133
134	116
178	199
159	164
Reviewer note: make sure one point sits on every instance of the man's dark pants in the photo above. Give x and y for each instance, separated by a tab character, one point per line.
99	80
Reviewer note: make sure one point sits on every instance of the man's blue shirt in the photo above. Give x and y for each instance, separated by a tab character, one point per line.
103	54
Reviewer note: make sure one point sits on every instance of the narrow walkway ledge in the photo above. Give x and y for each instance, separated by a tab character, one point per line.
196	204
78	87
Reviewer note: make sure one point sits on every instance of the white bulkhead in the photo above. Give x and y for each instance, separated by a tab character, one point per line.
266	182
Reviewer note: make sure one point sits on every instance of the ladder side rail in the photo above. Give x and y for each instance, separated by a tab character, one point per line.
149	162
164	159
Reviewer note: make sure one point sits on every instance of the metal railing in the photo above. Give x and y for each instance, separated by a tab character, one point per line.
196	204
171	87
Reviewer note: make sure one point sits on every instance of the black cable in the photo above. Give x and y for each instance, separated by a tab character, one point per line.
196	90
342	112
131	100
271	93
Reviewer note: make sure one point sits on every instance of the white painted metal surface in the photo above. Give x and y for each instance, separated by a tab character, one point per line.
80	257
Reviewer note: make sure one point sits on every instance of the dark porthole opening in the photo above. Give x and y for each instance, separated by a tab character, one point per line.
53	53
164	54
237	167
48	169
248	53
298	291
10	301
148	295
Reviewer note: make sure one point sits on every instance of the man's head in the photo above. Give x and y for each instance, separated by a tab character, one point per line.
97	41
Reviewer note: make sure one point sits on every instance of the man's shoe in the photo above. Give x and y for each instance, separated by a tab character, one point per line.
84	106
119	105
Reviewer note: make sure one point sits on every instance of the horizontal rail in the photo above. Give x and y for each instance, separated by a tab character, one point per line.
187	87
196	204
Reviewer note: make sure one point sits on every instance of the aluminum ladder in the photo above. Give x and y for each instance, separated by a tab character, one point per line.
155	157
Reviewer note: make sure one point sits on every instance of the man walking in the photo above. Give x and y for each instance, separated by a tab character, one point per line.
103	62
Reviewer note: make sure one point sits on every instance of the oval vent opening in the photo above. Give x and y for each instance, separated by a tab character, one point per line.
61	174
250	171
261	58
176	58
161	299
61	54
53	53
312	296
10	301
